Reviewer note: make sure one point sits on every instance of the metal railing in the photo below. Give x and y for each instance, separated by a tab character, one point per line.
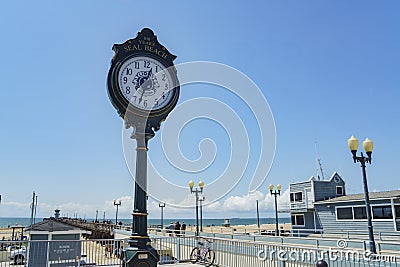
33	253
283	208
175	249
353	241
243	253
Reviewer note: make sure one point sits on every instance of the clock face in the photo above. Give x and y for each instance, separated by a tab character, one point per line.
146	83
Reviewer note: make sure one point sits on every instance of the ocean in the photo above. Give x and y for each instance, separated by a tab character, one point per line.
9	221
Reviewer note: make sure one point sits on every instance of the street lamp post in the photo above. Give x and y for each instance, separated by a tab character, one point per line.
258	218
197	191
116	203
162	206
275	193
97	213
368	147
201	199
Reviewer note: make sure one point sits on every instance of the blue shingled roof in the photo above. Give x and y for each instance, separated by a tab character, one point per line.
361	197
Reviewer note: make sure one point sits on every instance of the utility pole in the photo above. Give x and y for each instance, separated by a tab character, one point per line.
34	214
258	218
32	207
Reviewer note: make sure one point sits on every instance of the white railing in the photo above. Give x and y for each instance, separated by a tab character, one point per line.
243	253
174	249
61	252
296	206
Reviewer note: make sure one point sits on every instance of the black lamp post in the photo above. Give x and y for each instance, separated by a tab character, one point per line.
368	147
116	203
275	193
201	199
97	213
197	191
162	206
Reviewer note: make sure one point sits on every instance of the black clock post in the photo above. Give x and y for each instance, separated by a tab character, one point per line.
144	88
139	244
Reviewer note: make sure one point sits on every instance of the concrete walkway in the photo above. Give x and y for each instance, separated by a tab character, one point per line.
181	265
187	264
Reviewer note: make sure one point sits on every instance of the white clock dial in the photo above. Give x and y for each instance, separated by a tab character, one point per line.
145	83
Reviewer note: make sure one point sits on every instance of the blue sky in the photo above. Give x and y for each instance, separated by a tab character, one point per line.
328	69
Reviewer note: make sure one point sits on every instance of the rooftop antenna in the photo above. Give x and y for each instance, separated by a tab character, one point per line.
319	167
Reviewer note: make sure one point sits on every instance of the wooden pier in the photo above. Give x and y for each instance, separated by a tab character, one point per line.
99	230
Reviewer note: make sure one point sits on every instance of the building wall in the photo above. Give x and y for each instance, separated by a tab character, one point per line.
308	221
318	221
38	251
63	249
327	189
314	190
307	196
66	237
299	187
39	237
327	217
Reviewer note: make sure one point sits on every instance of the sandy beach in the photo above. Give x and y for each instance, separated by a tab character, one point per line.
6	233
242	229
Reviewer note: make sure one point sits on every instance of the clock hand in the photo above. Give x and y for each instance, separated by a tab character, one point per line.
141	96
149	74
143	87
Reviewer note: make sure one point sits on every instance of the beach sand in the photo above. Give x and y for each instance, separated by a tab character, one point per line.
6	233
240	229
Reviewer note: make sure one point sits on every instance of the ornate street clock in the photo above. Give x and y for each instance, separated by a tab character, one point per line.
143	87
142	81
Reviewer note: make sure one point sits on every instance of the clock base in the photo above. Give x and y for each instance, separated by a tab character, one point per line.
140	256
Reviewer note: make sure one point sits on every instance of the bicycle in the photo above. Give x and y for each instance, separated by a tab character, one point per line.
203	254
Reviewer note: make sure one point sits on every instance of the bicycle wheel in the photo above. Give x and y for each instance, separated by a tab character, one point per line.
209	258
194	255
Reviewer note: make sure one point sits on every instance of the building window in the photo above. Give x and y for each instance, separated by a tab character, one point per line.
298	219
382	212
296	197
360	213
339	190
344	213
397	211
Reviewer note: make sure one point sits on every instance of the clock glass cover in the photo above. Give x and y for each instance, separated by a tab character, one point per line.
145	83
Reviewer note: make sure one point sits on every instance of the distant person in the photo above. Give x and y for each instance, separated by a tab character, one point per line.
170	228
108	250
177	228
183	228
